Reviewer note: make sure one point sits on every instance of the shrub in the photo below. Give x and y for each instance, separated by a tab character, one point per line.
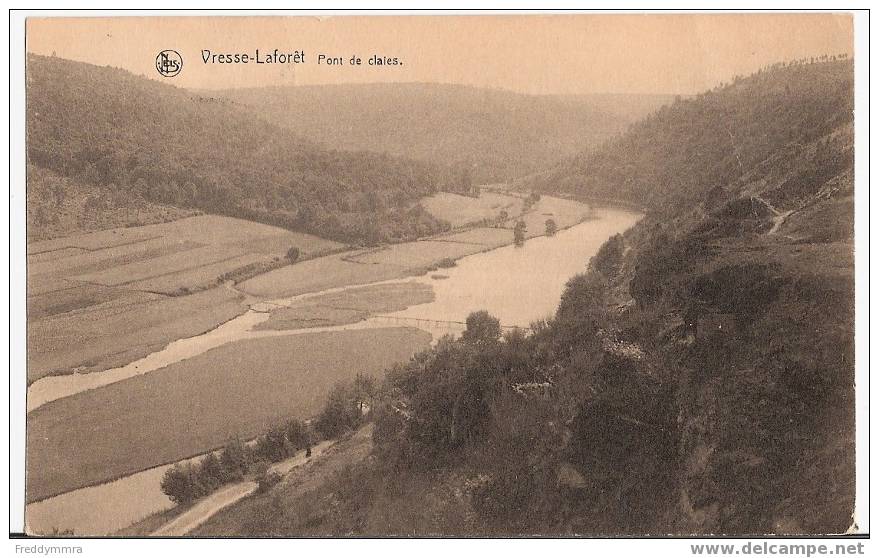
446	263
609	258
519	233
297	434
340	413
273	445
180	483
234	460
267	481
482	328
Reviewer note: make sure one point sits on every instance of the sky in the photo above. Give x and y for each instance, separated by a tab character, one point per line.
538	54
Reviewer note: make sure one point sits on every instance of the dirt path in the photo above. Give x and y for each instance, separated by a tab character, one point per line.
210	505
201	512
778	217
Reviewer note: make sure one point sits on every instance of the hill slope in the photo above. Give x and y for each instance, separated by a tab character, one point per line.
697	379
501	135
693	145
108	128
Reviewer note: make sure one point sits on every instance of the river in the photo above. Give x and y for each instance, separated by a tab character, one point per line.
518	285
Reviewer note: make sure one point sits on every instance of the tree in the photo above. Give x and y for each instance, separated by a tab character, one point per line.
364	390
297	434
551	227
609	258
210	473
340	413
467	182
273	445
482	328
519	233
234	459
180	484
293	254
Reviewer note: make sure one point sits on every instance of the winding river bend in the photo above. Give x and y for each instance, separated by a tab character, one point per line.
516	284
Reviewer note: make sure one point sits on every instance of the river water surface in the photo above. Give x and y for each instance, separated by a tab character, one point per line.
518	285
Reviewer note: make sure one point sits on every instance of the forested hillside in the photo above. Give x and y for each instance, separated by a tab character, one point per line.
697	378
498	134
693	145
121	133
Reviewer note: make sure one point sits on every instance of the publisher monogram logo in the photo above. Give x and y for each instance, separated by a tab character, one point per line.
169	63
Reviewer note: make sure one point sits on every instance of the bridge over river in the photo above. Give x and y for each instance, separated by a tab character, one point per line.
451	325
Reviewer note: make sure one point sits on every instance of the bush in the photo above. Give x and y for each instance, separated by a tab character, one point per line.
519	233
293	254
297	434
267	481
446	263
234	460
609	258
181	484
274	446
340	414
482	328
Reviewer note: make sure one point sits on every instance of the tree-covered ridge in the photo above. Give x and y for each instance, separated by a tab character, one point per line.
713	139
124	133
499	135
60	206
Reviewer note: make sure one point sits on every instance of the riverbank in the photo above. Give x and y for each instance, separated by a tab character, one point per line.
498	280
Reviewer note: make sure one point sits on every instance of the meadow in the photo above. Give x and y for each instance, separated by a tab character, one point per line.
188	408
349	306
103	299
357	267
464	210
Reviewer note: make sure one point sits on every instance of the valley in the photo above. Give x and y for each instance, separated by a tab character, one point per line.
488	313
212	382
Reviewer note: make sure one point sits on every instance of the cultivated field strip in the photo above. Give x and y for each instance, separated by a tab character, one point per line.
196	276
93	261
162	265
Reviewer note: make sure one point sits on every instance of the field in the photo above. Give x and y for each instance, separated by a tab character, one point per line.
485	236
318	274
414	255
394	261
464	210
565	213
349	306
102	299
116	332
238	389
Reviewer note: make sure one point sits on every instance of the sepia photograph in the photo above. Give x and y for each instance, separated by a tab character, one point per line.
464	275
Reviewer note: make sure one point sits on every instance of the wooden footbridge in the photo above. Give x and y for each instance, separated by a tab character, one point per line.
431	323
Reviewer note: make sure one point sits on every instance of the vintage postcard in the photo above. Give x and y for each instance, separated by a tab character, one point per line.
440	275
